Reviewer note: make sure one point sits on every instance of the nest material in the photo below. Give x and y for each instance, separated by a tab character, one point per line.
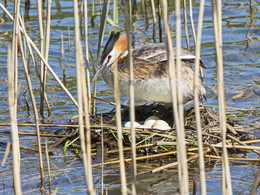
153	142
209	123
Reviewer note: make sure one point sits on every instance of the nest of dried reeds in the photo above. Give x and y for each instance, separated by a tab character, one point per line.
154	143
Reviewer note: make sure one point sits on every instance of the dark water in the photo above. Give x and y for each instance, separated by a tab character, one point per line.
241	48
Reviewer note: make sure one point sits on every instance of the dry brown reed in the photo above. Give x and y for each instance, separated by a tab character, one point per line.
44	48
226	178
197	98
177	95
256	184
83	105
186	28
181	147
102	157
32	44
12	100
48	162
35	111
128	17
119	131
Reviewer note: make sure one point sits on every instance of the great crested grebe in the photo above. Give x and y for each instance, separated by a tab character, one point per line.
150	62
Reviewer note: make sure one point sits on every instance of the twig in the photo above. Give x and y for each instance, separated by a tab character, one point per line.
7	150
139	158
238	141
216	118
195	156
238	147
58	142
34	134
212	157
12	71
163	143
256	184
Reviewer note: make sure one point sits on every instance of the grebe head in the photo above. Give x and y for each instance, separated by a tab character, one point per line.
115	47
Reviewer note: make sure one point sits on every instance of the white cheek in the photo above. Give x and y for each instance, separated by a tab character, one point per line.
113	57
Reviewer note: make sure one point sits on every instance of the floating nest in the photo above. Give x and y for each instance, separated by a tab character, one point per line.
153	143
209	124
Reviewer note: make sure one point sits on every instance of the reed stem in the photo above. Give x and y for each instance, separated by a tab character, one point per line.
226	179
13	112
35	111
197	99
83	104
131	92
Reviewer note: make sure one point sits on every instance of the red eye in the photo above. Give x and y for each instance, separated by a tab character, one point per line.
108	57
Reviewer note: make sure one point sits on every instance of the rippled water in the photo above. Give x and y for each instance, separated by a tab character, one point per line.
242	77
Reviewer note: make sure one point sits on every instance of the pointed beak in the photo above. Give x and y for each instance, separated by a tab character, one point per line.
99	71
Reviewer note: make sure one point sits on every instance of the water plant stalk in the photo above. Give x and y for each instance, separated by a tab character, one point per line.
13	118
83	104
128	17
177	96
34	105
181	145
197	99
42	58
217	20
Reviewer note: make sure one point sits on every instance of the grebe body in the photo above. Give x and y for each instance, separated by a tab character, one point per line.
151	70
